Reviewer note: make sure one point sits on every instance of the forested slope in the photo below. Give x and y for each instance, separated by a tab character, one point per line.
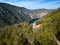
22	34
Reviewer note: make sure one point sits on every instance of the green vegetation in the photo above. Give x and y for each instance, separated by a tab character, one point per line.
22	34
51	21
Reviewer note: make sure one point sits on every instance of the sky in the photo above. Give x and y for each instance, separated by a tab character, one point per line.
34	4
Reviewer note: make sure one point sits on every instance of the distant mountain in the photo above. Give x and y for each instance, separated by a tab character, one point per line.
39	13
10	14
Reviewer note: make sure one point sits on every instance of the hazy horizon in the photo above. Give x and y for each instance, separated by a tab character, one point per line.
34	4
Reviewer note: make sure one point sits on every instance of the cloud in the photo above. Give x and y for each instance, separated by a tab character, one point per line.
34	4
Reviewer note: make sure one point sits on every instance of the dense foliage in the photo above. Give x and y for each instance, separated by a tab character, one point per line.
23	35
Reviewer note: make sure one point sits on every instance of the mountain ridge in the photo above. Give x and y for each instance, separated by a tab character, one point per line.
10	14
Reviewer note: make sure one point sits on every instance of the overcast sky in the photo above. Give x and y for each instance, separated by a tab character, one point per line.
34	4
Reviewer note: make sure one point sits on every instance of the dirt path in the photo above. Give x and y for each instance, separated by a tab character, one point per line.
58	42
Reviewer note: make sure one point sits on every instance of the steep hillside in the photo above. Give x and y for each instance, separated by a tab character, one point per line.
52	22
10	14
22	34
